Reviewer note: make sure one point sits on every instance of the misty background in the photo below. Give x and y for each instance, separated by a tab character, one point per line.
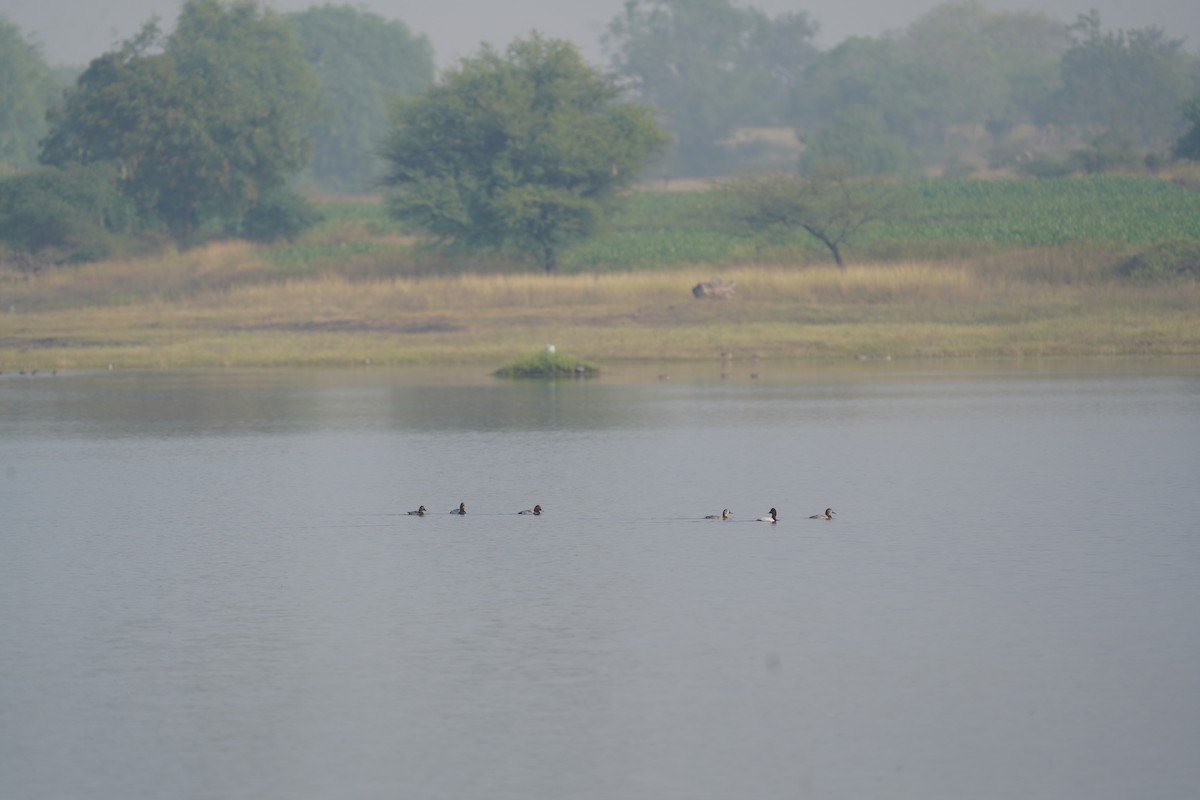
205	118
75	31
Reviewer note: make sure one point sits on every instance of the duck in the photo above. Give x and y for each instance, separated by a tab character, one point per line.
772	517
462	509
420	512
829	512
723	515
536	511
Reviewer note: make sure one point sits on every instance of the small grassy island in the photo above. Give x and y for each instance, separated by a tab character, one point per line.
548	363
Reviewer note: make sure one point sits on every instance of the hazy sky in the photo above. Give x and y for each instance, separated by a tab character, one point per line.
75	31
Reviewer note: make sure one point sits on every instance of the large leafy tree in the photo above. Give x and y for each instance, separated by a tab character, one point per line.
26	88
711	67
524	149
203	126
363	62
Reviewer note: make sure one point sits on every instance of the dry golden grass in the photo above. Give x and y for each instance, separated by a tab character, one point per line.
226	305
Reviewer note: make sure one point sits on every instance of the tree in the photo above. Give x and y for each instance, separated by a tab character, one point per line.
711	67
362	62
829	206
1130	82
858	139
874	74
200	127
524	150
955	69
27	87
1188	145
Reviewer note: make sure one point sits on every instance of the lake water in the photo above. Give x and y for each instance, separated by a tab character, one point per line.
209	587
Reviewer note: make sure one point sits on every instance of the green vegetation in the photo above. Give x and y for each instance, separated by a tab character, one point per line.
1164	261
363	63
940	218
201	132
211	130
959	88
974	269
27	86
1188	145
523	150
1105	80
165	224
711	67
830	207
548	364
75	213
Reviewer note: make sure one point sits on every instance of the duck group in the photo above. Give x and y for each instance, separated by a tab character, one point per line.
771	517
462	510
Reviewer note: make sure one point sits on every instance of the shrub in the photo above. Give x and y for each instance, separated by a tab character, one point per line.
280	214
1108	152
1043	166
76	211
1174	259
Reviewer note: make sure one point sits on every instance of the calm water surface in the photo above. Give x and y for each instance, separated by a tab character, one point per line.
209	587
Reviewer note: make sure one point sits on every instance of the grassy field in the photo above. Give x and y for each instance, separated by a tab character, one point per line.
976	268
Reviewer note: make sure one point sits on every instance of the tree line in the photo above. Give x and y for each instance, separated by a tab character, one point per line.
211	129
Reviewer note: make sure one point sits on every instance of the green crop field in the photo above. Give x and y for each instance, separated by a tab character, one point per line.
665	229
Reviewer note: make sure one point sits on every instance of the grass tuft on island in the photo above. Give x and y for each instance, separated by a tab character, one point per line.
547	364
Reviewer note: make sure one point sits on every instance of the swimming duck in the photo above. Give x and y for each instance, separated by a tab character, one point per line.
829	512
771	518
723	515
420	512
536	511
462	509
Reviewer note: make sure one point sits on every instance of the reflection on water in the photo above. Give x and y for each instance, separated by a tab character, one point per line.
210	587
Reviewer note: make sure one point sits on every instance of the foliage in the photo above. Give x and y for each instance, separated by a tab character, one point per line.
1041	165
940	218
362	62
27	87
77	211
547	364
202	129
524	150
1131	82
829	206
1163	261
1108	152
956	67
279	214
858	139
710	67
1188	145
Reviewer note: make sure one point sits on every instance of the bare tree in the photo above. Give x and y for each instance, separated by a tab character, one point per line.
829	205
